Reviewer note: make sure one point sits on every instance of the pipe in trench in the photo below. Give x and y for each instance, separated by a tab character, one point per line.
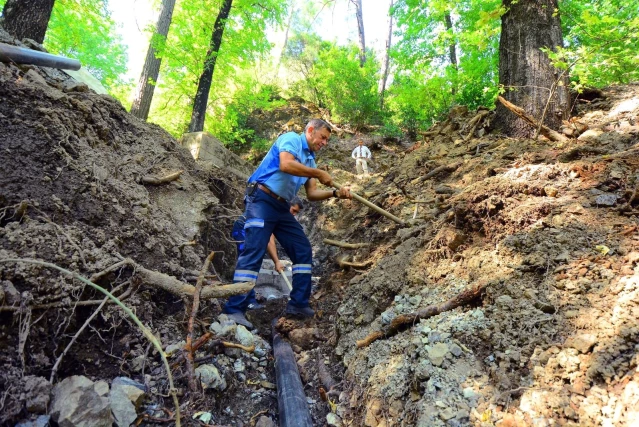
21	55
293	408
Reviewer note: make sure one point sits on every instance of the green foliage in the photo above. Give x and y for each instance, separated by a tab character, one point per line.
601	40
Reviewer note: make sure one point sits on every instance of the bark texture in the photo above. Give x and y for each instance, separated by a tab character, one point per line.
146	85
27	19
386	60
526	72
360	31
204	83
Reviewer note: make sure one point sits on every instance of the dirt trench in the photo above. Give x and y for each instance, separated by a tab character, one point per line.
548	230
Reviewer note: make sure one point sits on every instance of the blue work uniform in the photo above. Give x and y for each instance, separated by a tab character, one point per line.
268	214
239	235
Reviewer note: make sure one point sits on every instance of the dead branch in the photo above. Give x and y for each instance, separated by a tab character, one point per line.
194	308
62	304
545	130
154	180
343	262
175	286
326	378
346	245
403	320
250	349
441	169
474	122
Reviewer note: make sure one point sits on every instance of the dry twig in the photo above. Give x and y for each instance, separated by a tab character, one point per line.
346	245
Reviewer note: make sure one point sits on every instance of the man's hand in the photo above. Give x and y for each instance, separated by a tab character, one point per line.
324	177
344	193
279	267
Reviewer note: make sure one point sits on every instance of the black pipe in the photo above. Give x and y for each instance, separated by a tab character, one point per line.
291	399
21	55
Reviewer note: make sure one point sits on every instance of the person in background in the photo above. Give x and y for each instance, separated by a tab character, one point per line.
239	235
361	153
289	164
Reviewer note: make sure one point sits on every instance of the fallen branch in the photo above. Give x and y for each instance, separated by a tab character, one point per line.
175	286
62	304
545	130
154	180
346	245
145	331
343	263
400	321
326	379
194	309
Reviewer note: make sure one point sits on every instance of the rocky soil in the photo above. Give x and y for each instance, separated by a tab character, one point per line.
546	233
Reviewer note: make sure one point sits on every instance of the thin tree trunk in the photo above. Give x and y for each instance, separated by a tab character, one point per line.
27	19
146	85
204	84
526	72
360	30
452	51
386	60
288	28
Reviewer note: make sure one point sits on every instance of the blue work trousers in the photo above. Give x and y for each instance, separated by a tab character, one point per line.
266	215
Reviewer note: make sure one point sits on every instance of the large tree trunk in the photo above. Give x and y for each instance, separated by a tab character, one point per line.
452	51
204	84
288	28
149	77
526	73
27	19
360	30
386	60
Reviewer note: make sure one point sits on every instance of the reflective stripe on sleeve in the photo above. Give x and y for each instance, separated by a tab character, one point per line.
245	276
301	268
254	222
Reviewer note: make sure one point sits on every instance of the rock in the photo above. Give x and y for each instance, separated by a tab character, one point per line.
125	396
243	336
582	342
333	420
11	294
77	403
447	414
437	353
37	390
606	199
224	328
41	421
551	191
210	377
174	348
456	350
373	411
264	421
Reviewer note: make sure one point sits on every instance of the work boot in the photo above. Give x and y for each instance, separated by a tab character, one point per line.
240	319
256	306
303	313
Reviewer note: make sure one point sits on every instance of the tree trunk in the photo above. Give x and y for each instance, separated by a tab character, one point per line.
204	84
149	77
27	19
525	72
386	59
452	52
360	30
288	28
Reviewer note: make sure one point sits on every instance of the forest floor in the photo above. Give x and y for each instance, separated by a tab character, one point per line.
534	245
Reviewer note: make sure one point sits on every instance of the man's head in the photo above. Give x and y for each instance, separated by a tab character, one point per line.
360	142
317	133
296	205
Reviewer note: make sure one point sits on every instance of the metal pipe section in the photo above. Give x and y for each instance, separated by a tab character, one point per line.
21	55
293	408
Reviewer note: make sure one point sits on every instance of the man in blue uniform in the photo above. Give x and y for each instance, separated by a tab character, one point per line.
288	164
239	235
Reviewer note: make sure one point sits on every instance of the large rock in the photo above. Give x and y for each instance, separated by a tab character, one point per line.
125	396
79	402
211	153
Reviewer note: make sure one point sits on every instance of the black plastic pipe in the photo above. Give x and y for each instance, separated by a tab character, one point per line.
21	55
291	399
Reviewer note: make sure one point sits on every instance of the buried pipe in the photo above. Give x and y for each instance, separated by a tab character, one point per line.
292	406
21	55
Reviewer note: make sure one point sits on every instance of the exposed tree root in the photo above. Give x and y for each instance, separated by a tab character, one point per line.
441	169
472	124
346	245
154	180
403	320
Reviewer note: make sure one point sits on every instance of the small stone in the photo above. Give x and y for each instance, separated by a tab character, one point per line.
437	353
551	191
582	342
210	377
456	350
606	199
333	420
447	414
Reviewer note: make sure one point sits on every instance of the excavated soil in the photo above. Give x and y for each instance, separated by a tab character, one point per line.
546	232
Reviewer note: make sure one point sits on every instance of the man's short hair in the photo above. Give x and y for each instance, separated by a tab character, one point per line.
318	124
297	201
